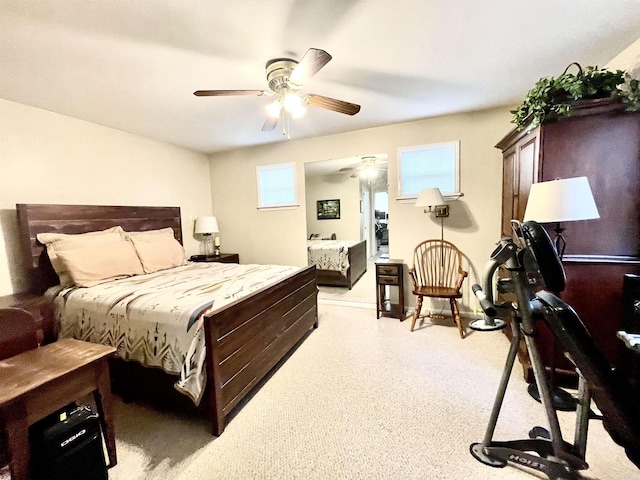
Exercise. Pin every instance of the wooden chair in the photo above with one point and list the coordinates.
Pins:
(437, 273)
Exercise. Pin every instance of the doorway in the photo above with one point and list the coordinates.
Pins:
(375, 221)
(381, 216)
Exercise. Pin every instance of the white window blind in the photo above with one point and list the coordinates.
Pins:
(276, 185)
(428, 166)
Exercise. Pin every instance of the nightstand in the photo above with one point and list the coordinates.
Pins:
(390, 273)
(222, 258)
(39, 307)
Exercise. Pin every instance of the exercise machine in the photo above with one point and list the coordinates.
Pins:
(534, 272)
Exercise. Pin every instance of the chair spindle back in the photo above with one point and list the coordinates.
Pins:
(437, 263)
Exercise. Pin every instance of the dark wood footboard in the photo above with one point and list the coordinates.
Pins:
(357, 256)
(249, 337)
(357, 262)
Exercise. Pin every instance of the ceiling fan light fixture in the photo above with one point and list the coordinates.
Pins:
(293, 104)
(273, 109)
(285, 78)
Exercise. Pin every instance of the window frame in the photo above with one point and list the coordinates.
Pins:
(260, 188)
(426, 147)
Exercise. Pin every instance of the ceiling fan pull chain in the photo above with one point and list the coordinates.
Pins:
(286, 124)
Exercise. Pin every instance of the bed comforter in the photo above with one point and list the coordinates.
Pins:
(157, 319)
(330, 254)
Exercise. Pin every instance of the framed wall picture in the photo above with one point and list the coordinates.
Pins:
(328, 209)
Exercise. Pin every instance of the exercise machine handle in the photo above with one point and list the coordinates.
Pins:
(487, 306)
(631, 340)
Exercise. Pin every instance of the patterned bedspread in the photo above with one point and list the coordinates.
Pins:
(330, 254)
(156, 319)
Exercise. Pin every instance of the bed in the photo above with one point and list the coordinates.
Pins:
(243, 340)
(339, 263)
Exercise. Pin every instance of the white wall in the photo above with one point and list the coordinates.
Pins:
(628, 59)
(50, 158)
(279, 237)
(330, 187)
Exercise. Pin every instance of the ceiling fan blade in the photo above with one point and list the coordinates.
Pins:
(309, 65)
(270, 123)
(339, 106)
(225, 93)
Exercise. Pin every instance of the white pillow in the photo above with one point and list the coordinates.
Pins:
(322, 236)
(158, 249)
(56, 242)
(98, 264)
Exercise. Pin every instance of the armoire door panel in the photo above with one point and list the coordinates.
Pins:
(605, 149)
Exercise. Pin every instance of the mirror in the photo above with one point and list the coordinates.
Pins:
(347, 197)
(360, 183)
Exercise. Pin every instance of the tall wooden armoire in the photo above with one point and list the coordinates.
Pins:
(602, 142)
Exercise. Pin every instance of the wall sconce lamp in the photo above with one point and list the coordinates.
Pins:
(431, 200)
(208, 226)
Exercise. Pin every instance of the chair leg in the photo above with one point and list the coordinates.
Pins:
(456, 315)
(416, 314)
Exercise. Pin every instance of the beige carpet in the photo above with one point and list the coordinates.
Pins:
(360, 398)
(363, 292)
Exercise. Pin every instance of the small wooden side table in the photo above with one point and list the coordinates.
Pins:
(38, 382)
(390, 273)
(222, 258)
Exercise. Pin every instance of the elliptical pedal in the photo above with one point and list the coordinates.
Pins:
(539, 432)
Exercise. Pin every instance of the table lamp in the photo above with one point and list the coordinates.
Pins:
(558, 201)
(207, 226)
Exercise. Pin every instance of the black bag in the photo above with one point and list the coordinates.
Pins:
(67, 445)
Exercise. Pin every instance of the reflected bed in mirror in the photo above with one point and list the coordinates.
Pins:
(339, 263)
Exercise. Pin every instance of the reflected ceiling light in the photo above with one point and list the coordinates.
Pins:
(369, 172)
(369, 169)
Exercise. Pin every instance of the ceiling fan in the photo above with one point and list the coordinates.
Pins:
(369, 168)
(285, 78)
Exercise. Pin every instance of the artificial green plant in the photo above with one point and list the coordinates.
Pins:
(552, 98)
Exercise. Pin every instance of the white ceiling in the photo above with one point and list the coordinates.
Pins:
(334, 166)
(133, 64)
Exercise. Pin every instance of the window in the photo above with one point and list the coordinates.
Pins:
(276, 185)
(428, 166)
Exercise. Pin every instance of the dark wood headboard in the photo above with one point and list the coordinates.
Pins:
(39, 218)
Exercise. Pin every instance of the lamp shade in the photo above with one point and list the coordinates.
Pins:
(206, 225)
(429, 197)
(564, 200)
